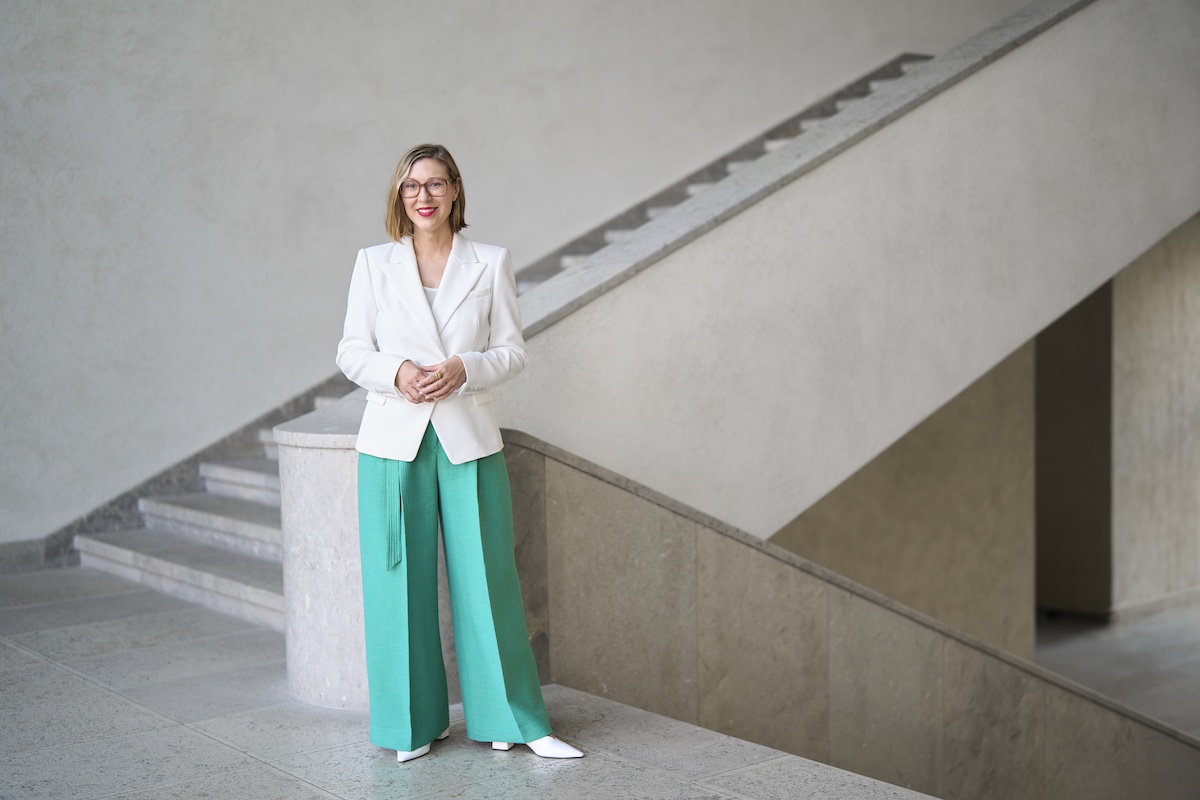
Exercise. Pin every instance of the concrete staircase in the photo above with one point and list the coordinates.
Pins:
(220, 548)
(622, 226)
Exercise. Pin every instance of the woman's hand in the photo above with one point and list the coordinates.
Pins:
(442, 379)
(408, 381)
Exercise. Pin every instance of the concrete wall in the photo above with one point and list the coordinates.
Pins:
(185, 184)
(1118, 418)
(1074, 459)
(652, 604)
(1156, 423)
(756, 368)
(942, 521)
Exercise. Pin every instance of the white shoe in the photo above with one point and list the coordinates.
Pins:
(409, 755)
(546, 747)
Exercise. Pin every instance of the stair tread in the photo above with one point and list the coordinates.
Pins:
(194, 556)
(259, 471)
(233, 508)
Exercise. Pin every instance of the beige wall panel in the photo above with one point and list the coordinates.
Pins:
(763, 651)
(885, 694)
(994, 733)
(624, 571)
(942, 521)
(1088, 750)
(1156, 422)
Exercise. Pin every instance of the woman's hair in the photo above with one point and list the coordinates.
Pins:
(397, 221)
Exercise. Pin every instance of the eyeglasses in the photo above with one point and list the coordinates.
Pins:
(435, 186)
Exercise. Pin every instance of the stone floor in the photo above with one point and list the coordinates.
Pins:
(111, 690)
(1151, 662)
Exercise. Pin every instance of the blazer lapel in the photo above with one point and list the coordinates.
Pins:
(408, 279)
(463, 269)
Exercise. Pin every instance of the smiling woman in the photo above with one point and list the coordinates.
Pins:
(432, 324)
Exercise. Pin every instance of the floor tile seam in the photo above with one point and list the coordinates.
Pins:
(168, 785)
(115, 593)
(120, 690)
(683, 779)
(704, 777)
(247, 626)
(40, 659)
(744, 767)
(272, 759)
(167, 723)
(199, 640)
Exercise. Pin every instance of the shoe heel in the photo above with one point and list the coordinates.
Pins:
(502, 745)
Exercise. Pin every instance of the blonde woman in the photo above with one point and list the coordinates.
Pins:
(432, 324)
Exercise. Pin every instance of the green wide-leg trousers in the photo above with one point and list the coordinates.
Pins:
(398, 509)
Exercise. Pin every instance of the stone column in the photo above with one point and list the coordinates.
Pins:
(322, 578)
(322, 581)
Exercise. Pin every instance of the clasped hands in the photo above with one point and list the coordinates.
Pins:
(430, 383)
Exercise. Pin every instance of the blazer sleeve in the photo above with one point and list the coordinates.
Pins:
(505, 355)
(358, 353)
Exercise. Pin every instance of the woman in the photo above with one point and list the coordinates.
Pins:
(432, 325)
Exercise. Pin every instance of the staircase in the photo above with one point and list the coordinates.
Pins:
(220, 548)
(622, 226)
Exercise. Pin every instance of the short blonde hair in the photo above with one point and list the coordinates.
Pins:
(397, 221)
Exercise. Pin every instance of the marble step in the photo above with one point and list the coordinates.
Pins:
(694, 189)
(569, 262)
(232, 583)
(255, 479)
(266, 437)
(614, 235)
(242, 526)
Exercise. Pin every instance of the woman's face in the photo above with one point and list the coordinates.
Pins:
(427, 212)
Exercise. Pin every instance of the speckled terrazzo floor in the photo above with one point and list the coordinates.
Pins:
(111, 690)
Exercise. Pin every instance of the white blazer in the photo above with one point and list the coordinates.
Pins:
(389, 320)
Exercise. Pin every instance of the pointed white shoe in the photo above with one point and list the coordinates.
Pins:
(546, 747)
(409, 755)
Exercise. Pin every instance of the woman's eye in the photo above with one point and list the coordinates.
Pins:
(436, 184)
(408, 187)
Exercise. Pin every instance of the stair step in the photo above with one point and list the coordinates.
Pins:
(734, 166)
(569, 262)
(655, 212)
(246, 527)
(267, 437)
(774, 144)
(324, 402)
(908, 66)
(810, 123)
(694, 189)
(235, 584)
(254, 479)
(612, 236)
(842, 105)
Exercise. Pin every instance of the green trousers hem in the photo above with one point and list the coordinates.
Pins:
(400, 504)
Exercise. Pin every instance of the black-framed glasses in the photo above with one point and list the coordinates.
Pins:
(435, 186)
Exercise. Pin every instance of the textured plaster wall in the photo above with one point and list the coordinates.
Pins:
(1156, 422)
(184, 185)
(942, 521)
(756, 368)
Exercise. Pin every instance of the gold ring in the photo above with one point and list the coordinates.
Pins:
(437, 375)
